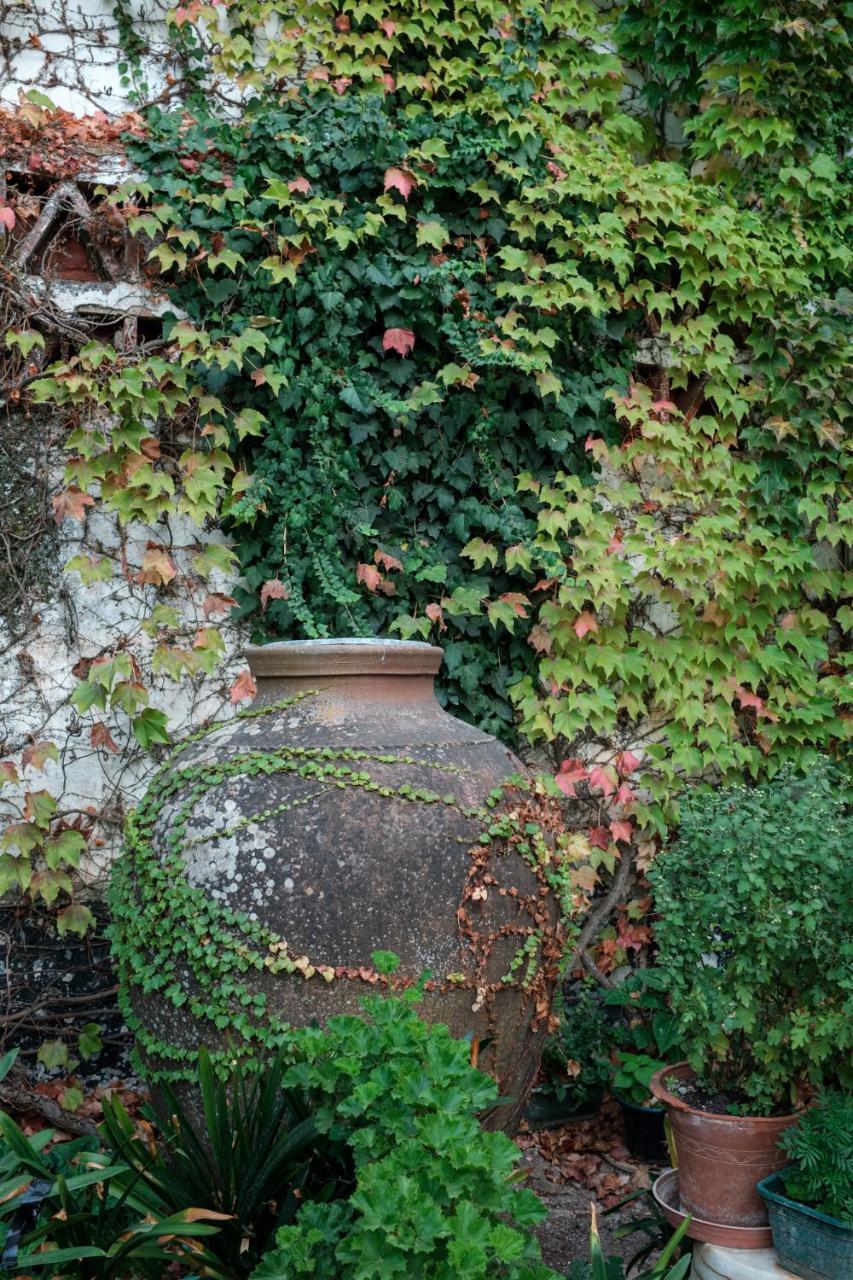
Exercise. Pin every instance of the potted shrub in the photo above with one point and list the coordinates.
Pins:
(810, 1202)
(646, 1040)
(575, 1064)
(644, 1118)
(755, 910)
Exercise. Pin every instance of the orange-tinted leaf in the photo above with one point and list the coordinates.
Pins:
(273, 589)
(158, 568)
(370, 576)
(387, 561)
(585, 622)
(100, 737)
(243, 687)
(38, 754)
(71, 504)
(216, 603)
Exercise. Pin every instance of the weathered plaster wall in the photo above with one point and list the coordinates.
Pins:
(69, 50)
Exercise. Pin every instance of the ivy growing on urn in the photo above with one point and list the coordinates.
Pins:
(172, 938)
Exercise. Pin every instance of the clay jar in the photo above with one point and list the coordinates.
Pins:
(341, 870)
(721, 1158)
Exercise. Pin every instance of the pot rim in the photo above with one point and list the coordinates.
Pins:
(635, 1106)
(672, 1102)
(344, 656)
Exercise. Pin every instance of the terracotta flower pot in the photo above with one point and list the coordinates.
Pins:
(334, 826)
(721, 1158)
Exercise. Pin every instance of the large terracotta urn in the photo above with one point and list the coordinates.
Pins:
(339, 816)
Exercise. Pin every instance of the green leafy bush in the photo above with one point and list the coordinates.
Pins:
(820, 1147)
(435, 1197)
(755, 918)
(576, 1056)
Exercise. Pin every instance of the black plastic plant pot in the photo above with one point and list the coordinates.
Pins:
(645, 1134)
(545, 1110)
(808, 1242)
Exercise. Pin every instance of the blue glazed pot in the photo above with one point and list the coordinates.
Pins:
(808, 1242)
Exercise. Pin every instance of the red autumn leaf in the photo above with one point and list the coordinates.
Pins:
(615, 544)
(217, 603)
(388, 27)
(603, 777)
(100, 737)
(71, 504)
(567, 777)
(38, 754)
(621, 830)
(8, 771)
(370, 576)
(302, 185)
(7, 217)
(400, 340)
(627, 762)
(624, 796)
(540, 639)
(342, 22)
(243, 687)
(188, 164)
(273, 589)
(150, 446)
(585, 622)
(788, 622)
(387, 561)
(259, 377)
(435, 613)
(400, 180)
(599, 837)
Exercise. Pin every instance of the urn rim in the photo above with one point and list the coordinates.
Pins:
(371, 656)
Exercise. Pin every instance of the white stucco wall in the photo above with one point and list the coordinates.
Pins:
(69, 50)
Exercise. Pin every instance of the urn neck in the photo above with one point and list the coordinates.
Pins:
(366, 672)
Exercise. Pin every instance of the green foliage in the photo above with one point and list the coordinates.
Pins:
(633, 1074)
(92, 1217)
(752, 78)
(405, 379)
(647, 1039)
(820, 1147)
(754, 930)
(434, 1195)
(577, 1055)
(248, 1149)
